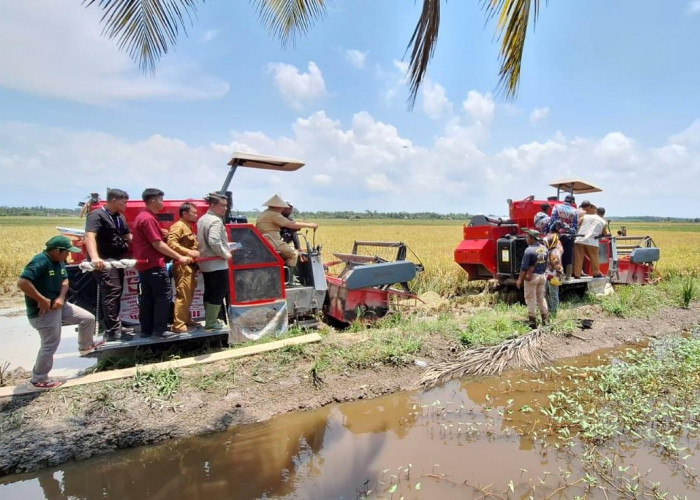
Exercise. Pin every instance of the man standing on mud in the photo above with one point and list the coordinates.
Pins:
(44, 282)
(150, 249)
(532, 272)
(182, 239)
(107, 236)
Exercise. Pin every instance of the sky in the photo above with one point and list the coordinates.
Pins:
(608, 94)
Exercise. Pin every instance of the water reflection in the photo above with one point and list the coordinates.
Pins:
(425, 444)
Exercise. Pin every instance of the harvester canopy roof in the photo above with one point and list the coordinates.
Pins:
(252, 160)
(575, 186)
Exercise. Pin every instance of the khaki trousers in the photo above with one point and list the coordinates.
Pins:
(289, 255)
(536, 294)
(185, 284)
(581, 251)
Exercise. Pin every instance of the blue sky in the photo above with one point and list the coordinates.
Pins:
(609, 94)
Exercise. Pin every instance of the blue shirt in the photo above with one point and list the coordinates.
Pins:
(535, 255)
(564, 219)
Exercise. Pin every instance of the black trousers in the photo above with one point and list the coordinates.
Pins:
(111, 285)
(155, 300)
(216, 286)
(567, 243)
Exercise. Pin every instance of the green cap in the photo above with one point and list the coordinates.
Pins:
(531, 232)
(61, 243)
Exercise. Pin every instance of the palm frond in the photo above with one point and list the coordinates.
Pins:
(423, 40)
(513, 18)
(145, 29)
(285, 18)
(525, 351)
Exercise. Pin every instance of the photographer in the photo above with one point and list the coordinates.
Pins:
(107, 236)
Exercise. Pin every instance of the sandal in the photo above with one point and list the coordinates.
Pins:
(47, 384)
(92, 348)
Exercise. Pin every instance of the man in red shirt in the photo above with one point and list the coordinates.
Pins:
(149, 246)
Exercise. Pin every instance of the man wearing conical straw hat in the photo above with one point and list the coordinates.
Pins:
(269, 224)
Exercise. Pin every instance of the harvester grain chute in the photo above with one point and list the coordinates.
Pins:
(263, 298)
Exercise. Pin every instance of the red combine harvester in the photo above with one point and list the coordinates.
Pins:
(492, 248)
(262, 300)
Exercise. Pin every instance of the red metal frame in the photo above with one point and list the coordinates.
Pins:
(233, 267)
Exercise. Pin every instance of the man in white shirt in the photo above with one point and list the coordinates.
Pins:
(587, 245)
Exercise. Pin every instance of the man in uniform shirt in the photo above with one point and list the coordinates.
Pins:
(269, 224)
(44, 282)
(107, 236)
(182, 239)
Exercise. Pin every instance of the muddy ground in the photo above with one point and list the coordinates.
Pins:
(50, 428)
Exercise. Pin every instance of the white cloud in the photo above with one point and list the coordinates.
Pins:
(356, 58)
(64, 56)
(538, 114)
(694, 7)
(480, 107)
(297, 88)
(435, 101)
(689, 136)
(367, 164)
(209, 35)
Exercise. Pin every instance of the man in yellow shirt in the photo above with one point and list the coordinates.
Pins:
(269, 224)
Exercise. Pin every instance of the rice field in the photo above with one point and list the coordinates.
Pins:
(432, 242)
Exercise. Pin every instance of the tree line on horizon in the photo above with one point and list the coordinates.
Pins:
(41, 211)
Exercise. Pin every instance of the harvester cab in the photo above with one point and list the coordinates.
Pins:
(492, 248)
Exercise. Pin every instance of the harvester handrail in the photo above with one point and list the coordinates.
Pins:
(391, 244)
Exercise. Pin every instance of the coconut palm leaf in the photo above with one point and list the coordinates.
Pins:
(286, 18)
(145, 29)
(513, 19)
(423, 40)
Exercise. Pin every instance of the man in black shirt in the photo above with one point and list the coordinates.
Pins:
(107, 236)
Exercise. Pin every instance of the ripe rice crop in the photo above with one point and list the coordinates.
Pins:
(433, 243)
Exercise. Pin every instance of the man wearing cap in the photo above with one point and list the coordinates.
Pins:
(564, 221)
(107, 236)
(44, 282)
(587, 246)
(269, 224)
(532, 273)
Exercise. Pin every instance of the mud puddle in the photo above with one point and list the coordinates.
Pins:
(463, 440)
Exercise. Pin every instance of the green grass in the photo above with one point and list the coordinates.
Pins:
(493, 326)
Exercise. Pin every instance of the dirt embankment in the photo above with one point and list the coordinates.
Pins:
(47, 429)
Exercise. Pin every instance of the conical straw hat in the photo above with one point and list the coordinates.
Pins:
(277, 202)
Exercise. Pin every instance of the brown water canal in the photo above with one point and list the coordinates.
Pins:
(458, 441)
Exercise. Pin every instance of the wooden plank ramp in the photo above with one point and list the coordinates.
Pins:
(106, 376)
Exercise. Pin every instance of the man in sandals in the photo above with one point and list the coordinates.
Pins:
(44, 282)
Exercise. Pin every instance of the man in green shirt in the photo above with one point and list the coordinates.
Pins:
(44, 282)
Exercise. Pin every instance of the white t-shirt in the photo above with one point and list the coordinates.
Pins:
(591, 227)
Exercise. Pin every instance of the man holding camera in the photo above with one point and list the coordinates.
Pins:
(107, 236)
